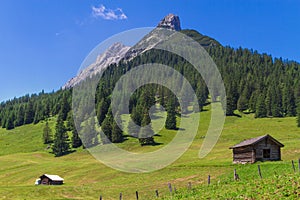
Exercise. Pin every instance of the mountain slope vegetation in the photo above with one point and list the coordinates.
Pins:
(255, 83)
(24, 158)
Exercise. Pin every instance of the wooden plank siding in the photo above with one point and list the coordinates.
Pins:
(243, 155)
(267, 144)
(262, 148)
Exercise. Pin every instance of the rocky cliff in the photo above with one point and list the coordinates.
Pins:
(112, 55)
(119, 51)
(171, 21)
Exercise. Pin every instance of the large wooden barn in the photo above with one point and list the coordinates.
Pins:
(262, 148)
(47, 179)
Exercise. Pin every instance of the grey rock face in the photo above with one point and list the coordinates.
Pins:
(171, 21)
(118, 51)
(112, 55)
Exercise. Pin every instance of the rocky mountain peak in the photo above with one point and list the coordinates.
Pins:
(170, 21)
(110, 56)
(118, 51)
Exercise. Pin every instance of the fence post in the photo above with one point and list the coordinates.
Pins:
(234, 174)
(208, 179)
(299, 164)
(137, 195)
(156, 193)
(100, 197)
(189, 185)
(259, 172)
(170, 187)
(293, 164)
(121, 196)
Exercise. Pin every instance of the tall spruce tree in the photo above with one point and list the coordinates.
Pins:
(261, 107)
(117, 133)
(135, 122)
(47, 134)
(171, 114)
(106, 127)
(75, 140)
(102, 110)
(65, 107)
(61, 140)
(86, 135)
(29, 113)
(231, 97)
(298, 112)
(146, 132)
(10, 122)
(20, 116)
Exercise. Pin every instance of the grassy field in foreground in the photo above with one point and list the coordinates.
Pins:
(23, 158)
(276, 187)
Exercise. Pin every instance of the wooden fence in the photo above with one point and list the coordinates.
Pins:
(172, 189)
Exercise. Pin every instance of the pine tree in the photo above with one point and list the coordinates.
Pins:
(147, 97)
(298, 113)
(29, 113)
(146, 132)
(94, 133)
(61, 144)
(86, 135)
(47, 134)
(276, 101)
(201, 94)
(70, 122)
(39, 113)
(75, 140)
(231, 97)
(135, 123)
(242, 103)
(117, 133)
(185, 98)
(65, 107)
(102, 110)
(20, 116)
(136, 114)
(133, 129)
(171, 114)
(161, 96)
(10, 122)
(288, 101)
(107, 128)
(260, 107)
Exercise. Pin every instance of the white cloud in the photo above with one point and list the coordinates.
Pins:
(108, 14)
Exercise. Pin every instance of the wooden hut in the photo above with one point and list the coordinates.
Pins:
(47, 179)
(261, 148)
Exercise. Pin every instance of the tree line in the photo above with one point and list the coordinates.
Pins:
(255, 83)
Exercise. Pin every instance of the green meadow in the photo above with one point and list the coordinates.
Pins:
(23, 158)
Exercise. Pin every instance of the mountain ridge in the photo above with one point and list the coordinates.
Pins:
(110, 56)
(119, 51)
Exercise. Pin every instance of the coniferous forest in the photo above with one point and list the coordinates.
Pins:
(255, 83)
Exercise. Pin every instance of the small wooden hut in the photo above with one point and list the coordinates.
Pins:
(47, 179)
(263, 148)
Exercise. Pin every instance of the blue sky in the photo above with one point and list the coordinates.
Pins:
(43, 42)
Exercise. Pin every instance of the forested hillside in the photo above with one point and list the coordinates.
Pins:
(255, 83)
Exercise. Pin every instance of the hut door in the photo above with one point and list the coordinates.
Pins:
(266, 153)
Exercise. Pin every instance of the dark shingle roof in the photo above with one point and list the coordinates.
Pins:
(255, 140)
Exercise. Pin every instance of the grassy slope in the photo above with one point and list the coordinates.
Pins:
(23, 158)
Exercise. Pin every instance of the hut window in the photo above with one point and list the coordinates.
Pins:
(266, 153)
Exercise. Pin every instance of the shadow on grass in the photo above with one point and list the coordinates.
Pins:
(235, 115)
(153, 144)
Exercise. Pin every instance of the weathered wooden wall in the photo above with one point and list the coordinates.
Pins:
(253, 153)
(244, 155)
(267, 144)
